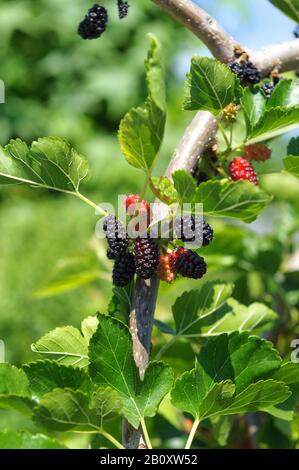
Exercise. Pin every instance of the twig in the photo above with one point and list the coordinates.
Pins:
(222, 45)
(206, 28)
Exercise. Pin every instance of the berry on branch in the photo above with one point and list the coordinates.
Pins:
(190, 228)
(268, 89)
(116, 236)
(123, 270)
(247, 72)
(187, 263)
(241, 169)
(165, 268)
(146, 257)
(136, 206)
(94, 23)
(257, 152)
(229, 114)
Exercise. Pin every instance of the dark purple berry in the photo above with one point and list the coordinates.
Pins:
(116, 236)
(123, 270)
(187, 263)
(94, 23)
(268, 89)
(123, 8)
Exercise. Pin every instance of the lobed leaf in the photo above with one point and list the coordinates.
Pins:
(112, 364)
(229, 378)
(240, 200)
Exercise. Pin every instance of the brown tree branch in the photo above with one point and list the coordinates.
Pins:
(222, 45)
(195, 139)
(206, 28)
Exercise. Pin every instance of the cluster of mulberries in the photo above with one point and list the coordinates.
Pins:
(182, 261)
(246, 71)
(95, 22)
(145, 256)
(240, 168)
(130, 257)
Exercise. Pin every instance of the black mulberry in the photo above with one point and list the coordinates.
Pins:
(191, 229)
(123, 270)
(116, 236)
(94, 23)
(187, 263)
(268, 89)
(123, 8)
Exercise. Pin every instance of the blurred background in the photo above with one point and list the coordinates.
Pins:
(52, 270)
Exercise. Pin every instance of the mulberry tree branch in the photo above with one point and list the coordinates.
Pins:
(204, 26)
(196, 137)
(222, 45)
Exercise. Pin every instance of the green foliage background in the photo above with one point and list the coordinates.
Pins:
(57, 84)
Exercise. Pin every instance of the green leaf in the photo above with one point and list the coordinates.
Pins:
(120, 304)
(112, 363)
(194, 305)
(14, 390)
(10, 439)
(288, 7)
(50, 163)
(273, 122)
(163, 188)
(70, 410)
(253, 104)
(210, 311)
(141, 130)
(291, 161)
(291, 164)
(210, 86)
(237, 199)
(293, 146)
(89, 326)
(228, 378)
(285, 93)
(288, 374)
(185, 186)
(65, 345)
(256, 317)
(46, 375)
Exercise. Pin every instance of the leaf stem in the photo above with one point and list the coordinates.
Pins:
(112, 439)
(192, 434)
(91, 203)
(145, 434)
(226, 139)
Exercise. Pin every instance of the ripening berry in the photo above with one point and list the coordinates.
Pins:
(229, 114)
(165, 268)
(241, 169)
(123, 270)
(187, 263)
(146, 257)
(257, 152)
(94, 23)
(135, 206)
